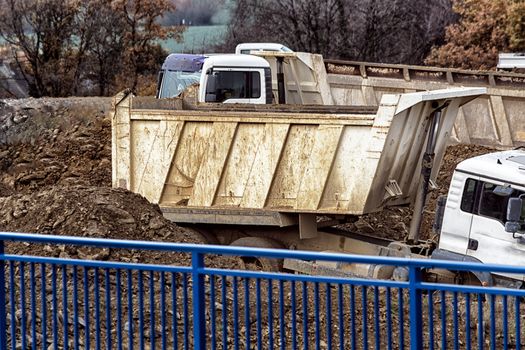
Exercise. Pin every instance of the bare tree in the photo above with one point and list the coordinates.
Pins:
(43, 30)
(142, 31)
(70, 45)
(306, 25)
(369, 30)
(400, 31)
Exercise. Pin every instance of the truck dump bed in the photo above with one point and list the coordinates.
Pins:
(256, 164)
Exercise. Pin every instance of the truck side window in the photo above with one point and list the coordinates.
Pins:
(469, 196)
(491, 204)
(493, 201)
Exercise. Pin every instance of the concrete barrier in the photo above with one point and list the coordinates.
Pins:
(494, 120)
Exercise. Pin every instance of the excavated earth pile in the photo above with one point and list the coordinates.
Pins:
(55, 178)
(47, 142)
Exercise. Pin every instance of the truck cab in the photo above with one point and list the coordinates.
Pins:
(177, 73)
(236, 79)
(221, 78)
(475, 214)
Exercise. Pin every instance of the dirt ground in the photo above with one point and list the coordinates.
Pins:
(55, 178)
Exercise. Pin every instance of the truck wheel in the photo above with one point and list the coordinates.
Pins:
(227, 235)
(260, 264)
(207, 236)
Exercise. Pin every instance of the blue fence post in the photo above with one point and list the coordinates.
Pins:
(3, 314)
(416, 308)
(199, 318)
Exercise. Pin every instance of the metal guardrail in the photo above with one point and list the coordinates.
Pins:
(493, 120)
(71, 303)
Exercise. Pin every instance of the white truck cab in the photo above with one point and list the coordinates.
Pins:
(475, 215)
(236, 79)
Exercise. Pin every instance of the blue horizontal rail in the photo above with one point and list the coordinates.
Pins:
(81, 304)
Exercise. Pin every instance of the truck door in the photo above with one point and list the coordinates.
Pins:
(458, 215)
(488, 241)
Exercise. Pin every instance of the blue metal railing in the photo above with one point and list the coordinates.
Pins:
(83, 304)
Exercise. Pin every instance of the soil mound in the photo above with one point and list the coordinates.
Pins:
(98, 212)
(54, 142)
(89, 211)
(55, 178)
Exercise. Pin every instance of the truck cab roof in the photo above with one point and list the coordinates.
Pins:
(245, 48)
(511, 60)
(183, 62)
(235, 61)
(505, 166)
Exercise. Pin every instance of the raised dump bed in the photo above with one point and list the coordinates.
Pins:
(247, 164)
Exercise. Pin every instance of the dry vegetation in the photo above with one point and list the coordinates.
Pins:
(97, 47)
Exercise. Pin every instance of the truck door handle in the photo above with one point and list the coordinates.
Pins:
(472, 244)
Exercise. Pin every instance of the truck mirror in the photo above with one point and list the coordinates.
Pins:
(513, 215)
(514, 209)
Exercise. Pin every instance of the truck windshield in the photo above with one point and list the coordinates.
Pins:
(175, 82)
(234, 85)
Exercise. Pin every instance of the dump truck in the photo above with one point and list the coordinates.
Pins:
(482, 219)
(287, 174)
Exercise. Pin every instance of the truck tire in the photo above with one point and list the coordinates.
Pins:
(227, 235)
(264, 264)
(207, 236)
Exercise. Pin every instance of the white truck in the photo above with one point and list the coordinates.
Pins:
(511, 61)
(221, 78)
(484, 218)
